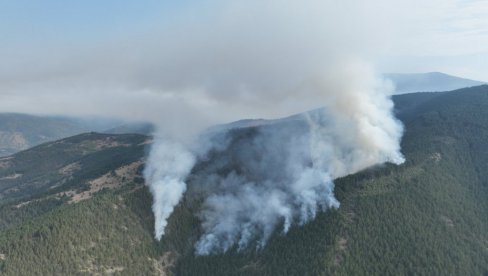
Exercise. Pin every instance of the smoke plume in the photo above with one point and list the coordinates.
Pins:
(259, 176)
(284, 59)
(167, 167)
(219, 61)
(282, 172)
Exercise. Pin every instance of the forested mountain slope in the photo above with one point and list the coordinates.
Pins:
(92, 213)
(21, 131)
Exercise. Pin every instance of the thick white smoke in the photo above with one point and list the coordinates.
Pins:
(275, 178)
(167, 167)
(266, 59)
(218, 61)
(284, 172)
(281, 172)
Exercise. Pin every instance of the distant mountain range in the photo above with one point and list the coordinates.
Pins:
(21, 131)
(428, 82)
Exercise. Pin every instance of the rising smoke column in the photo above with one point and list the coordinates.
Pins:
(284, 175)
(274, 180)
(168, 165)
(266, 59)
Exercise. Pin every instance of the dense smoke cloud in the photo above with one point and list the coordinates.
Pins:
(223, 61)
(281, 172)
(235, 60)
(269, 60)
(266, 177)
(167, 167)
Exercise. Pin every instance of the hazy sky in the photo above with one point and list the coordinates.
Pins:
(81, 56)
(440, 35)
(449, 36)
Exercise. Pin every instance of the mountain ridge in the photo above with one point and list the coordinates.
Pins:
(428, 82)
(22, 131)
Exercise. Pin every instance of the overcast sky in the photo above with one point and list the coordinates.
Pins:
(81, 56)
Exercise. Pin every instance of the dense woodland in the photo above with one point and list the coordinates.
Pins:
(428, 216)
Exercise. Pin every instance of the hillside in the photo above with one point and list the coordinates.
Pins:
(81, 207)
(22, 131)
(428, 82)
(51, 186)
(427, 216)
(138, 128)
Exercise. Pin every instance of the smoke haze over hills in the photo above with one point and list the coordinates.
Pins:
(235, 60)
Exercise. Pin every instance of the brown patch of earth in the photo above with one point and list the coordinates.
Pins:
(111, 180)
(164, 263)
(12, 176)
(14, 140)
(341, 246)
(69, 169)
(5, 162)
(147, 142)
(93, 269)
